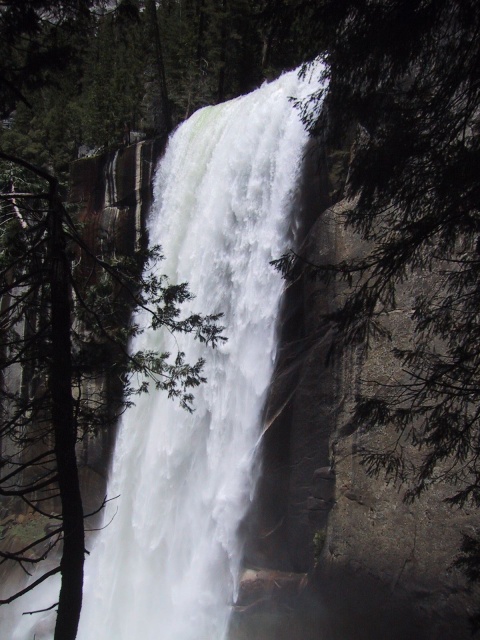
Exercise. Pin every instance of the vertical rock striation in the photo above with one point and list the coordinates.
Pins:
(378, 567)
(112, 193)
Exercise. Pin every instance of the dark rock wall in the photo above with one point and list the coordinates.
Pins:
(379, 568)
(112, 194)
(384, 560)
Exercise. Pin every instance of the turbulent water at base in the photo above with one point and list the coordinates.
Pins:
(166, 567)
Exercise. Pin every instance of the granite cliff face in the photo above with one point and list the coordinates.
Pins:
(382, 555)
(378, 567)
(112, 193)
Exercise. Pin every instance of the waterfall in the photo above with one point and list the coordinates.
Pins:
(166, 565)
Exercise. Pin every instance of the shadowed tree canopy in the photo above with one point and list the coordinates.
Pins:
(33, 41)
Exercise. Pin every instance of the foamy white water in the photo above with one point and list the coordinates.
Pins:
(166, 567)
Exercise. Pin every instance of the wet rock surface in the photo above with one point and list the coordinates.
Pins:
(385, 567)
(262, 586)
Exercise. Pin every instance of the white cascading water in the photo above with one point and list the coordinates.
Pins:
(167, 565)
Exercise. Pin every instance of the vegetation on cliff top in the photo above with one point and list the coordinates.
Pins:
(76, 82)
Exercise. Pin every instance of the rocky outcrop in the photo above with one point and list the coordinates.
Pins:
(379, 568)
(112, 194)
(384, 560)
(259, 586)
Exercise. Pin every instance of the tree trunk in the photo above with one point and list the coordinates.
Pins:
(201, 31)
(166, 125)
(60, 383)
(223, 54)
